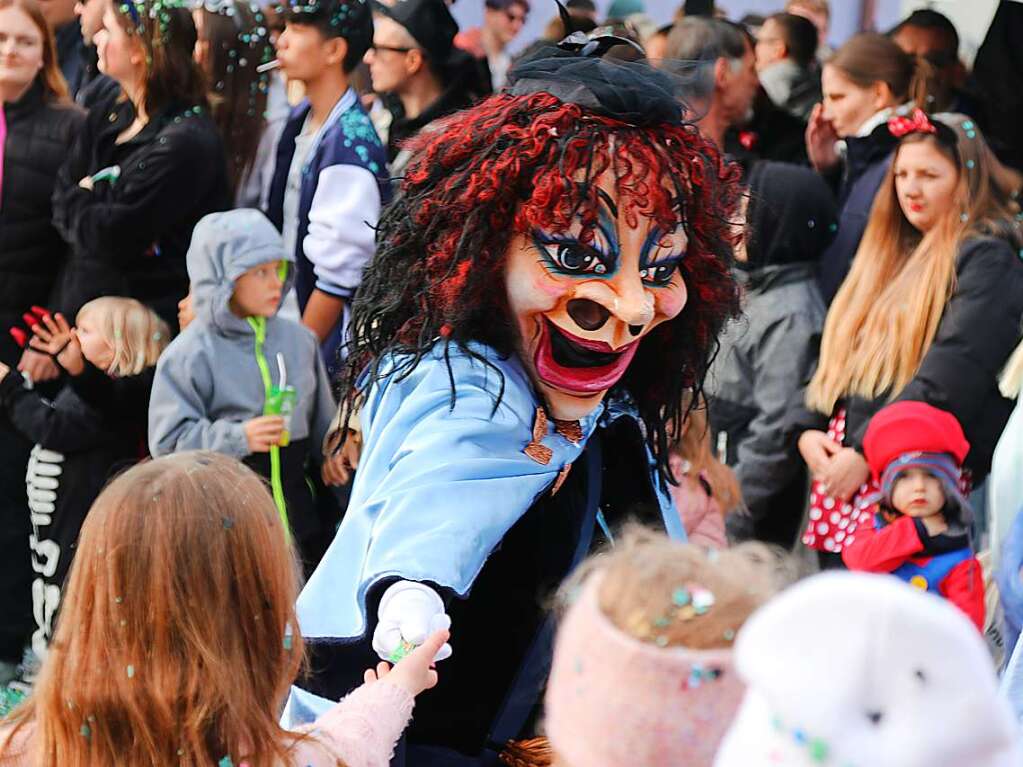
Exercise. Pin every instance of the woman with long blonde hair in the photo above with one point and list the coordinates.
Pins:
(930, 311)
(178, 638)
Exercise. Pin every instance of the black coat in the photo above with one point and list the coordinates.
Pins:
(866, 162)
(31, 250)
(979, 329)
(96, 426)
(129, 237)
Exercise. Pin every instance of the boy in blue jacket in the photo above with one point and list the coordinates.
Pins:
(329, 180)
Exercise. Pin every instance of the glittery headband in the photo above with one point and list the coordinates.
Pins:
(616, 701)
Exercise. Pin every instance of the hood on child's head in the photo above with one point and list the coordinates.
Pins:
(791, 216)
(225, 246)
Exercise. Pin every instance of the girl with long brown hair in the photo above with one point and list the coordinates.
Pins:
(145, 168)
(930, 311)
(248, 107)
(37, 122)
(178, 638)
(863, 84)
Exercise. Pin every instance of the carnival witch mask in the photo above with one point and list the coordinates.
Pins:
(577, 221)
(585, 296)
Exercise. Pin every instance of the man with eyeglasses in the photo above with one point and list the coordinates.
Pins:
(417, 71)
(502, 22)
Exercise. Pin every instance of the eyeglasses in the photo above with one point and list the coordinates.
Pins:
(394, 49)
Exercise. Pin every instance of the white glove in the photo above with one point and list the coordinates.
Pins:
(409, 612)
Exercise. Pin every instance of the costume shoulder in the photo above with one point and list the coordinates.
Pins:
(438, 484)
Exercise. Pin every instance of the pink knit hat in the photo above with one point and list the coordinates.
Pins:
(616, 701)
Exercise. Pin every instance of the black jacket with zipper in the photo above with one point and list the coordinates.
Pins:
(31, 249)
(979, 329)
(129, 236)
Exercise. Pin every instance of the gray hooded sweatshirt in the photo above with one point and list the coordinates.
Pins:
(208, 381)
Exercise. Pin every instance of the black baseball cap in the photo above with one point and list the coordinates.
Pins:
(428, 21)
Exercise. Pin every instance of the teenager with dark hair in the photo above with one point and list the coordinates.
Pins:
(549, 284)
(331, 168)
(144, 169)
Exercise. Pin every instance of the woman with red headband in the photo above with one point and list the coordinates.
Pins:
(930, 311)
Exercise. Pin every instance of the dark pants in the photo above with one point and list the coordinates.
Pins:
(16, 622)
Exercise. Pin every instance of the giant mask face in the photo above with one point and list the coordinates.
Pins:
(583, 304)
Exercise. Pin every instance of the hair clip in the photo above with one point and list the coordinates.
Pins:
(917, 122)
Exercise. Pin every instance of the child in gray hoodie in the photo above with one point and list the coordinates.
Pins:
(241, 380)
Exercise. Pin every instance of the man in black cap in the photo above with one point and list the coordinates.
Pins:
(416, 69)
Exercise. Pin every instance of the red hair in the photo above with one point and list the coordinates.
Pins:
(513, 164)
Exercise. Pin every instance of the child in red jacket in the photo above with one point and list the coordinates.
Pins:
(919, 534)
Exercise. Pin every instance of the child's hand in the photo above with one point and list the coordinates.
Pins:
(414, 672)
(264, 432)
(54, 336)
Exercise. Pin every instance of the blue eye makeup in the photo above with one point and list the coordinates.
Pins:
(657, 272)
(568, 256)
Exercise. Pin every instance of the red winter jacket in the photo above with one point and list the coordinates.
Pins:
(942, 564)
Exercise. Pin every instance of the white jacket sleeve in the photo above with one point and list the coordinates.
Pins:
(342, 227)
(177, 411)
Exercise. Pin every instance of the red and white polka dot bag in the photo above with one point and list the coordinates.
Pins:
(833, 522)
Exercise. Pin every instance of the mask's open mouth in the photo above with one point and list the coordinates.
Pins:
(579, 365)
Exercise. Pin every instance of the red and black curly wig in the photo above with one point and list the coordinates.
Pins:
(518, 163)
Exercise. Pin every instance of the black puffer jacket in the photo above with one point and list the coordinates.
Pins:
(979, 329)
(31, 250)
(129, 235)
(866, 162)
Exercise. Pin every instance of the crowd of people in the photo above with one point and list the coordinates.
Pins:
(371, 394)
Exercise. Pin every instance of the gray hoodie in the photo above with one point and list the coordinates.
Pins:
(208, 382)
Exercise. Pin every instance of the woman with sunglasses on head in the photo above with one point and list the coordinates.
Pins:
(930, 312)
(146, 167)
